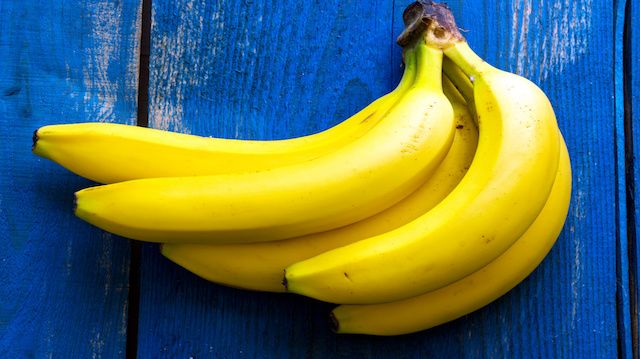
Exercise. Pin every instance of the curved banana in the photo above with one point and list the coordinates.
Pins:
(462, 83)
(110, 153)
(259, 266)
(340, 188)
(474, 291)
(500, 196)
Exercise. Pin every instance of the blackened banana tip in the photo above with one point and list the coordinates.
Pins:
(34, 138)
(284, 280)
(333, 323)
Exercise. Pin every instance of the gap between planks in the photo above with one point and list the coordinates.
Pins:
(629, 179)
(626, 260)
(143, 121)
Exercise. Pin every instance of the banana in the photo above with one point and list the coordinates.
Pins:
(474, 291)
(478, 289)
(503, 192)
(462, 83)
(110, 153)
(337, 189)
(259, 266)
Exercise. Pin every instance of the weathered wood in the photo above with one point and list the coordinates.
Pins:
(281, 69)
(255, 70)
(624, 206)
(64, 284)
(632, 111)
(275, 70)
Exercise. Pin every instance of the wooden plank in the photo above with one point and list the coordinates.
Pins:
(624, 180)
(251, 70)
(64, 291)
(632, 112)
(241, 69)
(206, 78)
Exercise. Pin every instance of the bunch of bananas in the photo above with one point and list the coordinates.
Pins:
(426, 205)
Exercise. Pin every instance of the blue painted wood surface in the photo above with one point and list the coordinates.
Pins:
(277, 69)
(632, 107)
(624, 166)
(64, 283)
(303, 67)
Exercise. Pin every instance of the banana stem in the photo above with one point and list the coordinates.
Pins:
(435, 24)
(409, 75)
(462, 83)
(428, 65)
(467, 60)
(430, 21)
(459, 79)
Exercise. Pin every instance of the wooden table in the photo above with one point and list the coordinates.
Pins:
(276, 69)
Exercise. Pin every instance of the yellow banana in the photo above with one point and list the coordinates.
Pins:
(498, 199)
(109, 153)
(337, 189)
(474, 291)
(259, 266)
(461, 82)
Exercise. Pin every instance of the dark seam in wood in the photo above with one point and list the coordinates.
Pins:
(619, 272)
(629, 177)
(143, 79)
(133, 314)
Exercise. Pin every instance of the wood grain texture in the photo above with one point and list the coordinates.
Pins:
(252, 70)
(632, 106)
(281, 69)
(623, 140)
(64, 284)
(265, 70)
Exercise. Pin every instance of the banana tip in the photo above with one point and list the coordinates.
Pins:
(334, 324)
(284, 280)
(34, 138)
